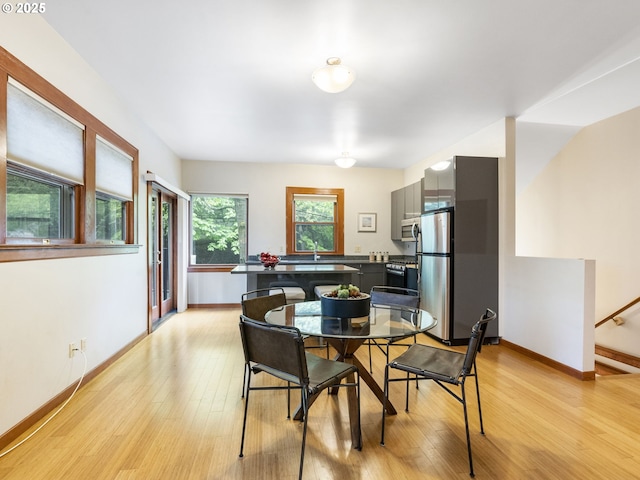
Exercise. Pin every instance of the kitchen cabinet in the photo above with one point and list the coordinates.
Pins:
(405, 203)
(397, 214)
(369, 274)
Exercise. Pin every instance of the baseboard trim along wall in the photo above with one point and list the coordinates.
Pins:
(590, 375)
(20, 428)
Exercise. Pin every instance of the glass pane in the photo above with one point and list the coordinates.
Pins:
(313, 211)
(167, 249)
(38, 209)
(110, 218)
(219, 229)
(308, 234)
(153, 238)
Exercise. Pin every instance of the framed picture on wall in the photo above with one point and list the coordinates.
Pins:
(366, 222)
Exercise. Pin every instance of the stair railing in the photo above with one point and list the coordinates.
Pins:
(617, 312)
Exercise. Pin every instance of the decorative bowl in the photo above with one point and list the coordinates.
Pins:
(269, 260)
(352, 307)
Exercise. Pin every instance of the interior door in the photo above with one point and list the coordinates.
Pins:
(162, 255)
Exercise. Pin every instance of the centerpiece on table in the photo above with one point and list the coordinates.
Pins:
(346, 301)
(269, 260)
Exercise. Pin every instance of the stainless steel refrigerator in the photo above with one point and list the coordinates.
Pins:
(458, 247)
(434, 265)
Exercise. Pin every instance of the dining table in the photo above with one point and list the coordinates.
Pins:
(347, 335)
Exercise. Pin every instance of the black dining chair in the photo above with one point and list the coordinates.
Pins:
(256, 303)
(279, 351)
(444, 367)
(391, 296)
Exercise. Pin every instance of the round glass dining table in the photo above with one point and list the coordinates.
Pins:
(346, 335)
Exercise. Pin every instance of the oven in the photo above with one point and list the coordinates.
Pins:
(402, 274)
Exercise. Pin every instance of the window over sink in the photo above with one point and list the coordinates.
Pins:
(315, 221)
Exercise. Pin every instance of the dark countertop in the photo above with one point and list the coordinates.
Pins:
(294, 269)
(326, 260)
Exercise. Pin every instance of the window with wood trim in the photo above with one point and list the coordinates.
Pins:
(66, 179)
(315, 219)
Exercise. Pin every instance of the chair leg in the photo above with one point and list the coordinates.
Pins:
(466, 426)
(475, 377)
(305, 412)
(384, 402)
(288, 400)
(244, 380)
(370, 363)
(246, 408)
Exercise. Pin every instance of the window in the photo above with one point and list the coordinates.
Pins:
(218, 229)
(314, 220)
(38, 208)
(65, 177)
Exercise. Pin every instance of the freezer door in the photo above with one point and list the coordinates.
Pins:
(435, 292)
(435, 232)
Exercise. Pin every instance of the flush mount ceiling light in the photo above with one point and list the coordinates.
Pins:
(345, 161)
(334, 77)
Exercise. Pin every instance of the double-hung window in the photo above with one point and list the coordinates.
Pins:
(315, 220)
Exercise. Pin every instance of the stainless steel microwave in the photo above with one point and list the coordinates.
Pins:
(410, 229)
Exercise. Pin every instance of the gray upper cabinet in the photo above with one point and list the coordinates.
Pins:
(405, 203)
(397, 214)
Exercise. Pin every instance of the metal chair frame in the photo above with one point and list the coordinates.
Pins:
(279, 351)
(444, 367)
(384, 295)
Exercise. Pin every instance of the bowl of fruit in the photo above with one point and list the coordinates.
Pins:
(268, 260)
(346, 301)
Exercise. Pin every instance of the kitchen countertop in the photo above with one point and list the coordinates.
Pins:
(311, 267)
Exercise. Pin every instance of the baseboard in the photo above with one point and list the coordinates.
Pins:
(591, 375)
(12, 434)
(621, 357)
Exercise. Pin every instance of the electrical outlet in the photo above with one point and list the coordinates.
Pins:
(83, 345)
(72, 350)
(357, 249)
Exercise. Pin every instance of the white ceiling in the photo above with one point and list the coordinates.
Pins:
(230, 80)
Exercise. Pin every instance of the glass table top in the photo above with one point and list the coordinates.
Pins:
(382, 321)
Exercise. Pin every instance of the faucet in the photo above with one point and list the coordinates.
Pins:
(315, 252)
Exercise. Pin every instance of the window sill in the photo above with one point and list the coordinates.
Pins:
(210, 268)
(19, 253)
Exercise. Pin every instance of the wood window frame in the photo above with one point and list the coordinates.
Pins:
(338, 220)
(84, 242)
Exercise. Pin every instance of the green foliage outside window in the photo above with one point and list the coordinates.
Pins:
(314, 221)
(219, 229)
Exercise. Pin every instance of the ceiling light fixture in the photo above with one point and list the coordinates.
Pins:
(345, 161)
(441, 165)
(333, 77)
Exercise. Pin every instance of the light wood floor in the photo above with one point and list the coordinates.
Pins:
(171, 409)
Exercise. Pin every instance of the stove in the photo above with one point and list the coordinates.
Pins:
(402, 274)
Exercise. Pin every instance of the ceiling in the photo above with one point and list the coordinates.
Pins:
(231, 80)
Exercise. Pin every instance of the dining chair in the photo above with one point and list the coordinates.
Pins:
(256, 303)
(444, 367)
(391, 296)
(279, 351)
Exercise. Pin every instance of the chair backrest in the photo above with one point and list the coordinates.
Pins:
(383, 295)
(477, 338)
(280, 349)
(256, 303)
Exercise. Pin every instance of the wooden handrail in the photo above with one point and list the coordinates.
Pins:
(617, 312)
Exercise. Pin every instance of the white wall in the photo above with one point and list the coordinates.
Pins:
(549, 308)
(366, 190)
(47, 304)
(584, 204)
